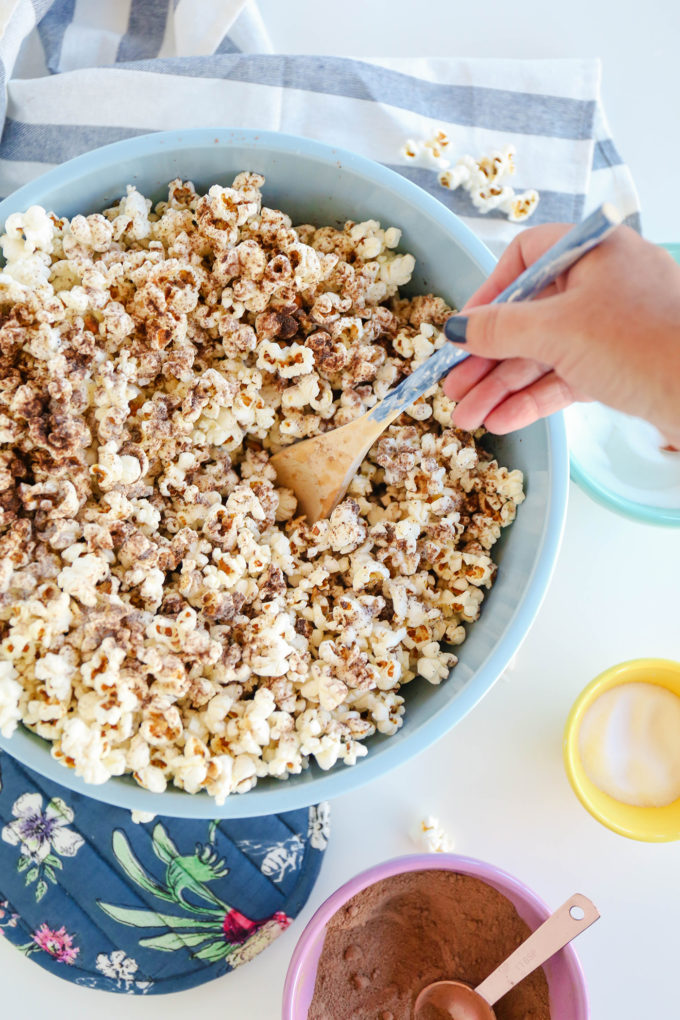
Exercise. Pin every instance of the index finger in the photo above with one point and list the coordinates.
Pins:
(522, 251)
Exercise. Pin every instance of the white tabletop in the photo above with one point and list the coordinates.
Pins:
(496, 781)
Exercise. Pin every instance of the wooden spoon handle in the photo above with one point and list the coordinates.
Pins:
(568, 250)
(555, 933)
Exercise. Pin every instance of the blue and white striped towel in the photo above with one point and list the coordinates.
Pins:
(80, 74)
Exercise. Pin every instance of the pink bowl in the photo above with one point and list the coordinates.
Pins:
(566, 983)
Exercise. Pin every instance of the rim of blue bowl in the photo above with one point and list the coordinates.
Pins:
(123, 791)
(606, 497)
(639, 512)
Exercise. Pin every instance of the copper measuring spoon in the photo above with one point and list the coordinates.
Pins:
(464, 1003)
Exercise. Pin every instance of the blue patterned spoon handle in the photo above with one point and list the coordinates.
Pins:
(568, 250)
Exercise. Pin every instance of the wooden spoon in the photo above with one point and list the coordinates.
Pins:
(319, 470)
(460, 1002)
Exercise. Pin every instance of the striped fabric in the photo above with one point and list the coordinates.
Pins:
(80, 73)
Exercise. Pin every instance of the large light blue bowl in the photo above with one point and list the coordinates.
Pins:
(315, 182)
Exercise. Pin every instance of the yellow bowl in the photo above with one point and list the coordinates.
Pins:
(652, 824)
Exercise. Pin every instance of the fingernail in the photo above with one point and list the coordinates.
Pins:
(455, 328)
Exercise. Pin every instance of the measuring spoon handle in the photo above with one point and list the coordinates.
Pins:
(553, 935)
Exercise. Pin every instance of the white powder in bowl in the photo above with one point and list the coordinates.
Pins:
(629, 744)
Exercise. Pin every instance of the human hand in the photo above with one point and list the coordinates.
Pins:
(608, 329)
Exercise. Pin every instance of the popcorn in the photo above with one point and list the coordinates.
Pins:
(286, 362)
(269, 644)
(371, 241)
(112, 470)
(490, 197)
(432, 837)
(453, 178)
(26, 233)
(345, 528)
(429, 152)
(489, 170)
(396, 270)
(89, 750)
(81, 578)
(367, 571)
(520, 207)
(55, 670)
(131, 216)
(141, 817)
(165, 611)
(434, 664)
(484, 179)
(301, 393)
(410, 149)
(95, 232)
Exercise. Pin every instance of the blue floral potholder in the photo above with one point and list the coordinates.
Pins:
(145, 907)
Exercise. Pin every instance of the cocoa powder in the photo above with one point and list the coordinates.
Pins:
(390, 940)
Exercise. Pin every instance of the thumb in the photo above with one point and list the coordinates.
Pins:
(519, 329)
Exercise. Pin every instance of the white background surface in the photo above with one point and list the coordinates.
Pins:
(497, 782)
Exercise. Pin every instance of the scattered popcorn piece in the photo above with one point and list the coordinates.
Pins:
(520, 207)
(142, 817)
(484, 179)
(498, 165)
(429, 152)
(411, 149)
(432, 837)
(453, 178)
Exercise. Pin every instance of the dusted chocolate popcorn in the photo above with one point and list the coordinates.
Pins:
(163, 611)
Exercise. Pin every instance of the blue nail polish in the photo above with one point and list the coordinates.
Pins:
(455, 328)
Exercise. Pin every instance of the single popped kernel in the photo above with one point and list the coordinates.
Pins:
(455, 177)
(491, 196)
(142, 817)
(520, 207)
(411, 149)
(432, 837)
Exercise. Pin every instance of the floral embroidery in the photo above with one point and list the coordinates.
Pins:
(105, 984)
(42, 835)
(198, 909)
(7, 918)
(210, 930)
(259, 940)
(276, 859)
(58, 944)
(319, 825)
(123, 970)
